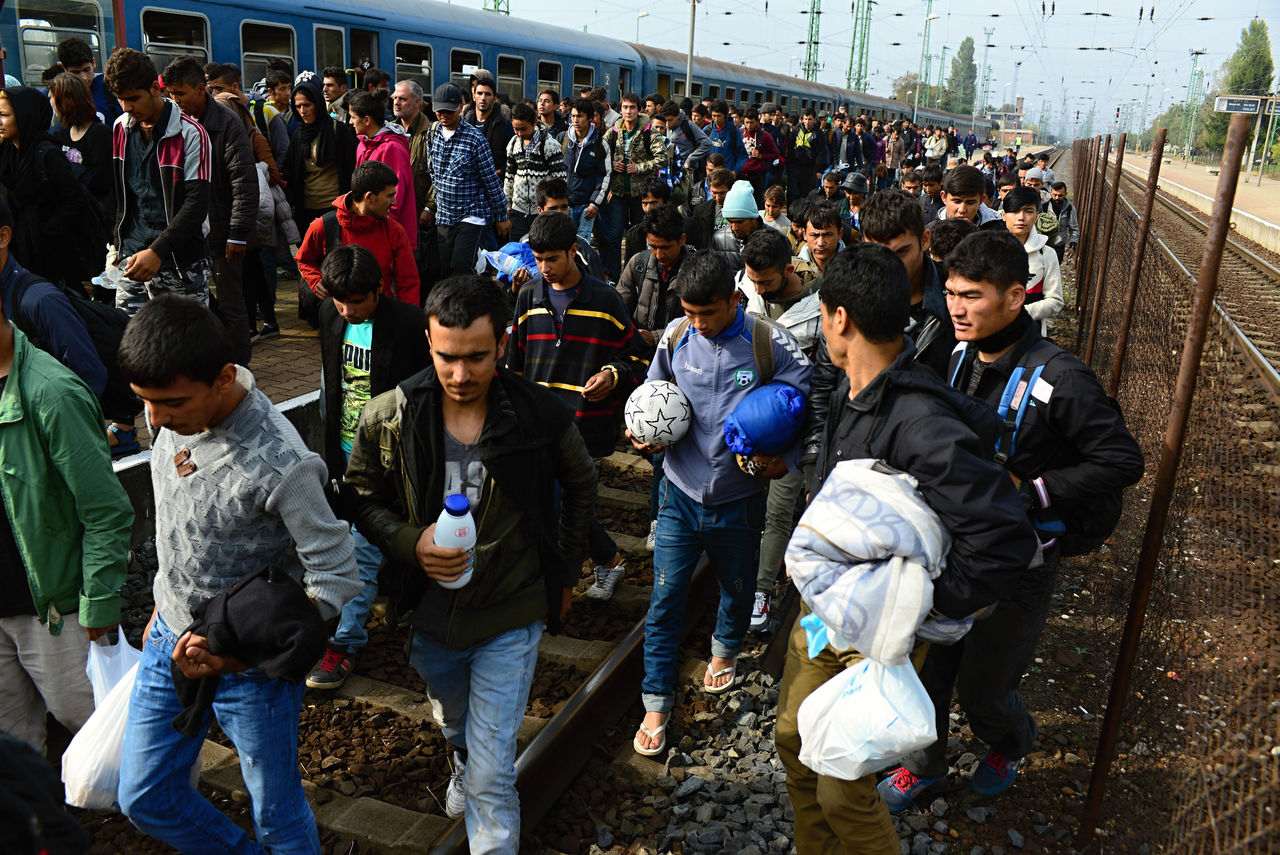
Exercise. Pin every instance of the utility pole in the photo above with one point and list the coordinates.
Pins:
(1192, 107)
(1017, 67)
(1271, 127)
(688, 60)
(921, 79)
(1145, 96)
(986, 49)
(863, 48)
(942, 63)
(855, 76)
(927, 80)
(809, 66)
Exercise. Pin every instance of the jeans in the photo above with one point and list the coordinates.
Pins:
(351, 633)
(985, 669)
(730, 535)
(779, 520)
(581, 223)
(655, 483)
(458, 247)
(481, 692)
(261, 718)
(228, 286)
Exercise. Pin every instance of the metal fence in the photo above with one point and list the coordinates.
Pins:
(1201, 534)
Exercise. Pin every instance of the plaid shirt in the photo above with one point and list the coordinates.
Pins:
(466, 181)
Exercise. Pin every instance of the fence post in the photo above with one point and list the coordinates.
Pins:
(1096, 193)
(1135, 267)
(1170, 455)
(1084, 186)
(1095, 317)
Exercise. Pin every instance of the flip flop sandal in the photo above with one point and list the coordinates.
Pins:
(661, 731)
(715, 675)
(126, 441)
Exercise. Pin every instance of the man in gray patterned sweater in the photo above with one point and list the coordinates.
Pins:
(236, 491)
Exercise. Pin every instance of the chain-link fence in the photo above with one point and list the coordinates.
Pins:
(1212, 637)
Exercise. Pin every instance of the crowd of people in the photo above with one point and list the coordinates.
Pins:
(489, 282)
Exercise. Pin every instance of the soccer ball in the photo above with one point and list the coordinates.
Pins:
(658, 413)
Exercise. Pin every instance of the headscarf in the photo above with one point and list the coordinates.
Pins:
(320, 131)
(34, 114)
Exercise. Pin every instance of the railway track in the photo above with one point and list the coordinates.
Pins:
(1248, 284)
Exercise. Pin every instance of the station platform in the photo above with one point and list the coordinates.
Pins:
(1257, 209)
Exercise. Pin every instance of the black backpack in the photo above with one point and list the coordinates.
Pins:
(106, 326)
(89, 246)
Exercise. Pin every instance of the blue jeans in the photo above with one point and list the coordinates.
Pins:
(481, 692)
(581, 223)
(351, 633)
(730, 535)
(261, 718)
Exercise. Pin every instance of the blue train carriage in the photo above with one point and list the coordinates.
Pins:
(419, 39)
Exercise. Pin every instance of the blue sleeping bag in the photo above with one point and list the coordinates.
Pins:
(511, 255)
(767, 421)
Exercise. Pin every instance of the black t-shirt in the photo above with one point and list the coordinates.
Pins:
(16, 599)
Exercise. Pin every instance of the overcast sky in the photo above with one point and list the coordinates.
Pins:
(770, 34)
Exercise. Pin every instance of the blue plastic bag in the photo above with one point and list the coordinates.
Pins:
(767, 421)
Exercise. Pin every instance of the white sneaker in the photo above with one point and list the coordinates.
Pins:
(606, 580)
(653, 535)
(455, 798)
(760, 612)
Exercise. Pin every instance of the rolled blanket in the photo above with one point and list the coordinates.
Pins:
(766, 421)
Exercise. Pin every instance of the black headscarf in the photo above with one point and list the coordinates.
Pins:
(34, 114)
(319, 132)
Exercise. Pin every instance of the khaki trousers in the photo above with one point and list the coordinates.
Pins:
(832, 816)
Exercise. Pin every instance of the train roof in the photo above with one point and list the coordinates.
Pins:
(465, 24)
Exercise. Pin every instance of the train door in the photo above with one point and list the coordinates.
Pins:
(625, 76)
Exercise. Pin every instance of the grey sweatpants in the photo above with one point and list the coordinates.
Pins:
(42, 673)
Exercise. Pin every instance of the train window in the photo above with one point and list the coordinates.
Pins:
(729, 92)
(783, 100)
(169, 35)
(584, 77)
(461, 64)
(714, 91)
(771, 96)
(260, 42)
(364, 46)
(697, 89)
(413, 62)
(550, 76)
(677, 88)
(44, 23)
(511, 77)
(330, 50)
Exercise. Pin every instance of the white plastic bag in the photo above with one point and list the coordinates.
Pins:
(91, 763)
(108, 664)
(865, 718)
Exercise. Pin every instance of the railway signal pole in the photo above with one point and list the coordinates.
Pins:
(922, 77)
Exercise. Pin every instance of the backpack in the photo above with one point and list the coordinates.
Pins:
(259, 110)
(89, 247)
(761, 344)
(333, 238)
(106, 328)
(1084, 525)
(1047, 225)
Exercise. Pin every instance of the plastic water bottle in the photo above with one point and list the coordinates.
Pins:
(455, 529)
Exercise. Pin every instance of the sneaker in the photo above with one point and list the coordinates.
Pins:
(606, 580)
(760, 612)
(269, 331)
(653, 536)
(332, 671)
(900, 789)
(995, 774)
(455, 798)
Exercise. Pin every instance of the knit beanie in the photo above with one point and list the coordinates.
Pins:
(740, 202)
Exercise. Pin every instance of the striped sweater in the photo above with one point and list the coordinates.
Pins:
(595, 333)
(528, 166)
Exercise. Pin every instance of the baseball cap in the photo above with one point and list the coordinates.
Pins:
(446, 97)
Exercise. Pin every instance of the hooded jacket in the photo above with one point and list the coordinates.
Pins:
(762, 143)
(1044, 284)
(588, 165)
(181, 170)
(57, 231)
(333, 140)
(649, 292)
(390, 145)
(913, 422)
(526, 553)
(384, 238)
(233, 182)
(728, 142)
(987, 218)
(802, 317)
(497, 130)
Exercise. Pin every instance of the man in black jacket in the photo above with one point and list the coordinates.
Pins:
(886, 407)
(892, 218)
(1065, 446)
(233, 195)
(367, 345)
(465, 425)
